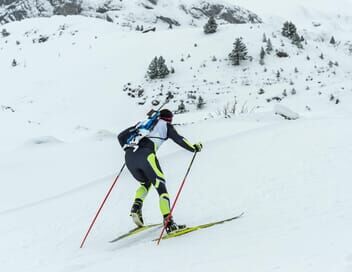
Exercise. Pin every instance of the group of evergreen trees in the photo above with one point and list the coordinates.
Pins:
(239, 53)
(289, 30)
(139, 28)
(268, 49)
(269, 46)
(200, 104)
(157, 68)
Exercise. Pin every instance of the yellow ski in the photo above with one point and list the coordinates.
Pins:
(191, 229)
(135, 231)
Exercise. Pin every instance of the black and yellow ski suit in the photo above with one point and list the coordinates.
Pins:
(144, 165)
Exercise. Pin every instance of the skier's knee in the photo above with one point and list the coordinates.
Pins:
(160, 186)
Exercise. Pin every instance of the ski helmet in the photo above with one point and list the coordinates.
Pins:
(166, 115)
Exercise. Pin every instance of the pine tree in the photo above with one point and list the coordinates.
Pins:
(200, 103)
(262, 55)
(264, 38)
(332, 40)
(153, 69)
(292, 30)
(269, 46)
(210, 26)
(285, 28)
(163, 71)
(289, 30)
(181, 108)
(157, 68)
(4, 33)
(296, 40)
(239, 52)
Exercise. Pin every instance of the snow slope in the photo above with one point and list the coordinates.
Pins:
(297, 208)
(63, 104)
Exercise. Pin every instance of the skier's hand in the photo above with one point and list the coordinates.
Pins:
(198, 147)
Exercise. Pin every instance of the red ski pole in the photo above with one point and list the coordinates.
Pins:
(101, 206)
(177, 196)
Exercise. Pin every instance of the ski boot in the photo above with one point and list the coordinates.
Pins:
(136, 213)
(171, 226)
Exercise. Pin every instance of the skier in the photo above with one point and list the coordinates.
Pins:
(144, 166)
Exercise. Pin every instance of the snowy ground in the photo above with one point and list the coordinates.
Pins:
(63, 104)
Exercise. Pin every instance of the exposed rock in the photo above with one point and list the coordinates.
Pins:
(6, 2)
(154, 2)
(13, 13)
(232, 15)
(282, 54)
(68, 9)
(7, 108)
(168, 20)
(22, 9)
(149, 29)
(109, 18)
(147, 6)
(102, 9)
(128, 15)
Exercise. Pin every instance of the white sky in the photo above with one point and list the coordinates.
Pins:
(284, 8)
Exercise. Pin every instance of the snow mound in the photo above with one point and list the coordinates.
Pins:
(285, 112)
(44, 140)
(105, 134)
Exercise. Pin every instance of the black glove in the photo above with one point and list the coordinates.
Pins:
(198, 147)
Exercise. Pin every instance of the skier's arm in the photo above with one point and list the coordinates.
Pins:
(183, 142)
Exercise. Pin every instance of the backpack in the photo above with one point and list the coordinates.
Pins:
(131, 137)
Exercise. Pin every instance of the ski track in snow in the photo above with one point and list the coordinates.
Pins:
(79, 189)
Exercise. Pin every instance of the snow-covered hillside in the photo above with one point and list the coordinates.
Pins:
(70, 84)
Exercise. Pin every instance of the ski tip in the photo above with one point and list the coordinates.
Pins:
(237, 216)
(240, 215)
